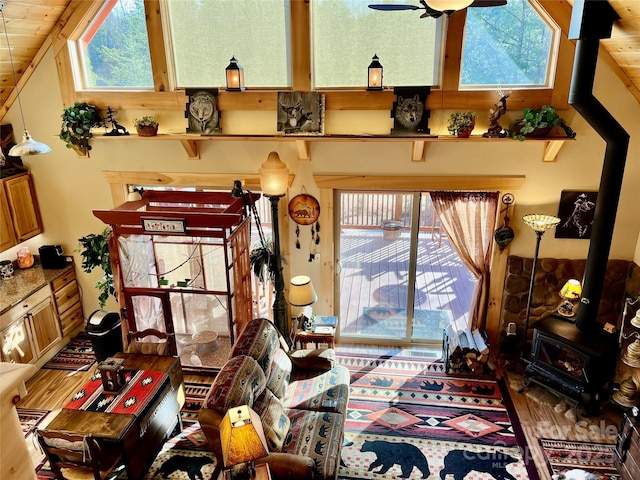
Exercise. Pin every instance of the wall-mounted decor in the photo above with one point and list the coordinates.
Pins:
(576, 211)
(304, 209)
(301, 113)
(409, 113)
(169, 226)
(202, 111)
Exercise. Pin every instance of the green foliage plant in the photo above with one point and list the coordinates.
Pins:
(263, 261)
(94, 249)
(461, 121)
(77, 122)
(146, 121)
(536, 120)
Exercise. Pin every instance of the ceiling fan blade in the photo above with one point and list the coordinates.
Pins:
(488, 3)
(390, 7)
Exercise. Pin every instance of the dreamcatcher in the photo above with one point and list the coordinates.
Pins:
(304, 209)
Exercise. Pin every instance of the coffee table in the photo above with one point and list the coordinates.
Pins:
(139, 438)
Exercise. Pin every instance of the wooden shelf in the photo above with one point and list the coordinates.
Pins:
(419, 144)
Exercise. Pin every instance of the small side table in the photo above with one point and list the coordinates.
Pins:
(303, 337)
(262, 473)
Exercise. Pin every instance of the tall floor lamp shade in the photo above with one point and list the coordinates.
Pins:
(540, 223)
(274, 180)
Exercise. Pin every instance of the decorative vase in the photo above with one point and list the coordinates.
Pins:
(147, 131)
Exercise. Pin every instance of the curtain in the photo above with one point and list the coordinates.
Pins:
(468, 219)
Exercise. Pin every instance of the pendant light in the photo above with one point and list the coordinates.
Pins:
(28, 146)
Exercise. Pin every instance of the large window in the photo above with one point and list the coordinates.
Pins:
(114, 49)
(346, 35)
(206, 34)
(507, 46)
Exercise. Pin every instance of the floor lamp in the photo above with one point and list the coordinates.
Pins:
(540, 223)
(274, 180)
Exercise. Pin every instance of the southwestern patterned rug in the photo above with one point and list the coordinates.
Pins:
(76, 355)
(409, 419)
(30, 418)
(597, 458)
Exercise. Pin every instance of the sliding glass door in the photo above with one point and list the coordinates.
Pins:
(397, 271)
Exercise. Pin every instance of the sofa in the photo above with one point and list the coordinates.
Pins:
(301, 397)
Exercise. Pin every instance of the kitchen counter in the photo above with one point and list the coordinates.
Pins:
(25, 282)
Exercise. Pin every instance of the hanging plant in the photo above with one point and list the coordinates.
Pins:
(263, 261)
(538, 122)
(94, 250)
(77, 122)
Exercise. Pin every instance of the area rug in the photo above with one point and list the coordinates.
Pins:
(408, 419)
(30, 418)
(392, 322)
(76, 355)
(195, 393)
(597, 458)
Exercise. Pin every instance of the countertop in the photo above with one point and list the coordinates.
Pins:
(25, 282)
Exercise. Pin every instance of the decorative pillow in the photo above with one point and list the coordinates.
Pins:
(275, 422)
(149, 348)
(239, 382)
(259, 339)
(278, 380)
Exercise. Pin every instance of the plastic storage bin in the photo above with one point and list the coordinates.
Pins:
(105, 331)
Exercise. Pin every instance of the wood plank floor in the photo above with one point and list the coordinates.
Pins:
(375, 273)
(541, 414)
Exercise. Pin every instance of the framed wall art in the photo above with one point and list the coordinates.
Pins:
(410, 114)
(576, 212)
(300, 113)
(202, 111)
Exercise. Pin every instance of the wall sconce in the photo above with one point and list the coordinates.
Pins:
(242, 441)
(374, 78)
(235, 76)
(570, 292)
(302, 294)
(631, 356)
(28, 146)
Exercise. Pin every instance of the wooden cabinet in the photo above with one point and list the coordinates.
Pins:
(67, 299)
(628, 449)
(29, 329)
(20, 212)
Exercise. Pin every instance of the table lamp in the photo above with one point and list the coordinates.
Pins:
(570, 292)
(243, 441)
(302, 294)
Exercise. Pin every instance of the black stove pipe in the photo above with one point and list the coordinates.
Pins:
(592, 20)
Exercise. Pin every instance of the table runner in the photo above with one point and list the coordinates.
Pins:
(141, 389)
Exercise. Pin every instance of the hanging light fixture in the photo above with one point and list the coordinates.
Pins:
(448, 6)
(28, 146)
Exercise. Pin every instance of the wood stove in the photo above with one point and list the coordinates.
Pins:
(575, 363)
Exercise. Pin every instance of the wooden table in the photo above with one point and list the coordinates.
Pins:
(262, 473)
(303, 337)
(138, 443)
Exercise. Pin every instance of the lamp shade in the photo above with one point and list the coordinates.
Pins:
(241, 436)
(274, 176)
(28, 146)
(448, 5)
(635, 321)
(301, 291)
(571, 289)
(540, 222)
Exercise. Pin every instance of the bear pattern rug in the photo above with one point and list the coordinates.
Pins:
(408, 419)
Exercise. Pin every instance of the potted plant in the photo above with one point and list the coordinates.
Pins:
(263, 261)
(94, 249)
(538, 122)
(146, 126)
(77, 122)
(461, 123)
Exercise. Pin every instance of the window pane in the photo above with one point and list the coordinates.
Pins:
(206, 34)
(114, 49)
(506, 46)
(346, 35)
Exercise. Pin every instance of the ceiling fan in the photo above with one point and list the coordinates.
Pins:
(431, 7)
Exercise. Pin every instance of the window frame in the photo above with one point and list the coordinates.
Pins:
(448, 96)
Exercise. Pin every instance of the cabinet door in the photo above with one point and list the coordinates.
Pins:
(23, 205)
(16, 343)
(7, 234)
(44, 326)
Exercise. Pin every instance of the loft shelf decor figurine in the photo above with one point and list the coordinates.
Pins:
(500, 108)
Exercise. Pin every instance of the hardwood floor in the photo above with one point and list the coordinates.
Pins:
(541, 414)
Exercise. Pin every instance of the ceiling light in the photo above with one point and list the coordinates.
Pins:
(28, 146)
(448, 6)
